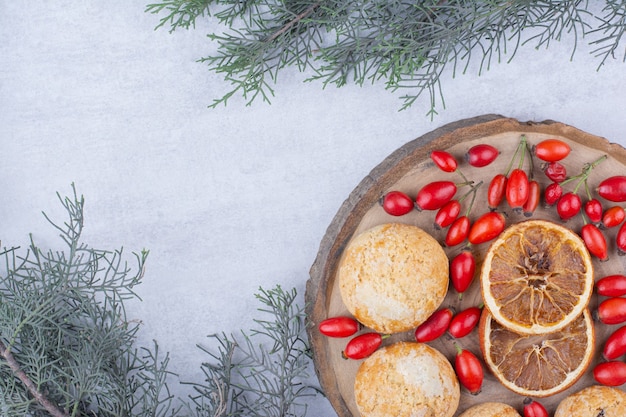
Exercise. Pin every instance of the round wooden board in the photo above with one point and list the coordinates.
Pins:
(408, 169)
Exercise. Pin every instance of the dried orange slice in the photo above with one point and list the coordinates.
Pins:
(537, 277)
(537, 365)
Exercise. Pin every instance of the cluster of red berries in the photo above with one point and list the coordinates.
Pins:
(612, 311)
(523, 194)
(468, 367)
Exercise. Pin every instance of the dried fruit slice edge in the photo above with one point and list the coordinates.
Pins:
(537, 277)
(537, 365)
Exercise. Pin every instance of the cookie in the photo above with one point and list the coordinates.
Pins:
(490, 409)
(392, 277)
(593, 401)
(406, 379)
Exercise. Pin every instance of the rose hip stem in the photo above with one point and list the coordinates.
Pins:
(521, 146)
(582, 177)
(501, 187)
(473, 189)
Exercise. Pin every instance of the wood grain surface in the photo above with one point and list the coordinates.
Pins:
(408, 169)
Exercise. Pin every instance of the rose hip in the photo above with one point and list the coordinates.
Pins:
(613, 188)
(551, 150)
(611, 286)
(458, 231)
(534, 195)
(612, 311)
(615, 345)
(444, 160)
(464, 322)
(495, 192)
(340, 326)
(397, 203)
(462, 268)
(517, 189)
(612, 374)
(552, 194)
(595, 241)
(435, 326)
(447, 214)
(613, 216)
(593, 210)
(534, 408)
(481, 155)
(569, 205)
(434, 195)
(469, 370)
(486, 227)
(620, 239)
(555, 171)
(363, 345)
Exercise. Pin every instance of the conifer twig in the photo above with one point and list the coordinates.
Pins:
(405, 45)
(293, 22)
(53, 409)
(67, 345)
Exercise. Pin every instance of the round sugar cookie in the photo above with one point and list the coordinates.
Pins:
(406, 379)
(392, 277)
(593, 401)
(490, 409)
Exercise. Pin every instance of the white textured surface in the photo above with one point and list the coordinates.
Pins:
(231, 199)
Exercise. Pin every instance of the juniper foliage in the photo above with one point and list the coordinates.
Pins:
(67, 347)
(403, 44)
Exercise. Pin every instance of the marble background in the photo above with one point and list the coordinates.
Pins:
(227, 199)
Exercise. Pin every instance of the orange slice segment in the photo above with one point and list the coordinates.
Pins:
(537, 277)
(538, 365)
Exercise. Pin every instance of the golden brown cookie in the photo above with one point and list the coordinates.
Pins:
(491, 409)
(407, 379)
(393, 277)
(594, 401)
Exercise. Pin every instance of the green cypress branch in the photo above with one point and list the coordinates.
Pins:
(67, 347)
(66, 344)
(404, 44)
(15, 367)
(264, 375)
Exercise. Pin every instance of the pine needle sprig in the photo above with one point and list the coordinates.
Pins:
(250, 59)
(265, 374)
(66, 344)
(404, 44)
(180, 14)
(612, 30)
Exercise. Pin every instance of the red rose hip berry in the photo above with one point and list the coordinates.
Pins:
(486, 227)
(612, 374)
(534, 408)
(444, 160)
(469, 370)
(613, 188)
(611, 286)
(462, 268)
(397, 203)
(341, 326)
(613, 216)
(612, 311)
(568, 206)
(615, 345)
(551, 150)
(435, 195)
(595, 241)
(362, 346)
(481, 155)
(464, 322)
(435, 326)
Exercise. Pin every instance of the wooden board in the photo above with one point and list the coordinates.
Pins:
(408, 169)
